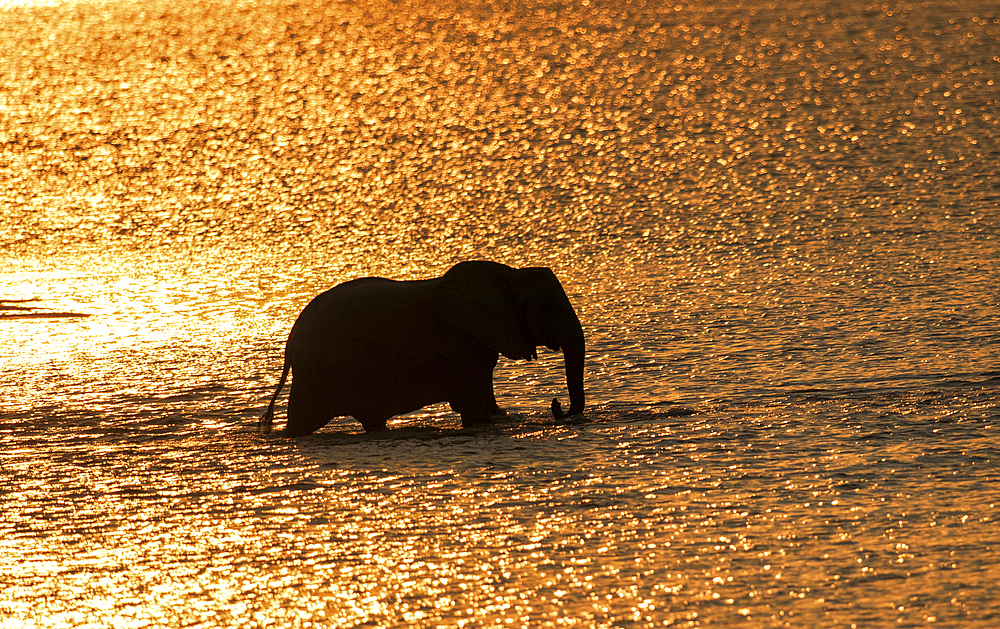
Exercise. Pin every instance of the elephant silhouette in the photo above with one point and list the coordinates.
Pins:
(373, 348)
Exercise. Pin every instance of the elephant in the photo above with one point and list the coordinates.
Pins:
(373, 348)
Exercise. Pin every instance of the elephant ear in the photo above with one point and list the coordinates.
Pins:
(478, 299)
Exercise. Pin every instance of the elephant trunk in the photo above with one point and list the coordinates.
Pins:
(573, 353)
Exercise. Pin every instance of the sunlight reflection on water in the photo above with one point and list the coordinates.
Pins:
(778, 225)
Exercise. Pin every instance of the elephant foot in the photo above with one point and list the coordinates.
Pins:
(373, 424)
(469, 420)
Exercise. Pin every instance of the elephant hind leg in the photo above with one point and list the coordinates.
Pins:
(309, 408)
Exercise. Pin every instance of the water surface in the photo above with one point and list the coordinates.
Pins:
(778, 225)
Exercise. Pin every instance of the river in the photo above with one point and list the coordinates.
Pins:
(778, 223)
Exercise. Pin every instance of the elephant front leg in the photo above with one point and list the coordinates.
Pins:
(475, 403)
(373, 423)
(475, 417)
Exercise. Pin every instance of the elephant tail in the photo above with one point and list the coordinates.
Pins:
(268, 418)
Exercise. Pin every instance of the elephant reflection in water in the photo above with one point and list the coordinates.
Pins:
(373, 348)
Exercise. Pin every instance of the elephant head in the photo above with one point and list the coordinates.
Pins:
(512, 311)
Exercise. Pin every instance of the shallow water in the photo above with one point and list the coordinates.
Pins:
(779, 226)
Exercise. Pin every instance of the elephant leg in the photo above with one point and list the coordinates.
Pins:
(372, 423)
(310, 407)
(475, 415)
(475, 403)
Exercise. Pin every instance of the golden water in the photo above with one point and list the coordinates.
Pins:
(778, 224)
